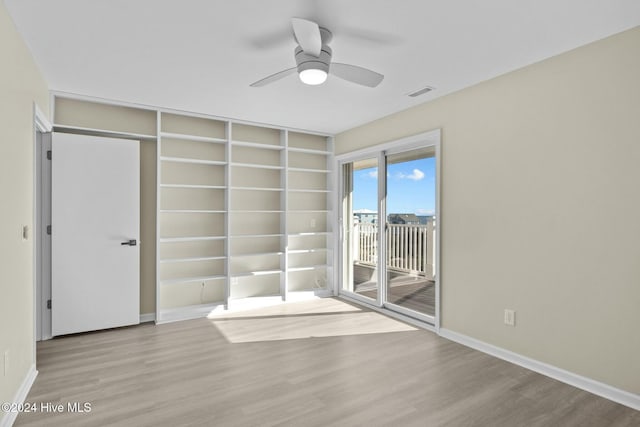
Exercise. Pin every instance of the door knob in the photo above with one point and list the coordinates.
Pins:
(132, 242)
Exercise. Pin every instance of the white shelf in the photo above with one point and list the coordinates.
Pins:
(244, 236)
(319, 233)
(189, 239)
(192, 161)
(193, 137)
(256, 166)
(307, 251)
(197, 186)
(257, 188)
(300, 190)
(191, 211)
(256, 145)
(190, 259)
(257, 273)
(102, 132)
(192, 279)
(252, 211)
(307, 268)
(309, 170)
(256, 254)
(309, 151)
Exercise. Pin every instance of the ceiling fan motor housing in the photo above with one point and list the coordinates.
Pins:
(305, 61)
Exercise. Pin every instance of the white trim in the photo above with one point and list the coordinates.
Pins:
(80, 130)
(394, 314)
(438, 230)
(147, 317)
(41, 120)
(430, 138)
(41, 125)
(158, 206)
(168, 315)
(352, 296)
(21, 395)
(284, 215)
(304, 295)
(592, 386)
(383, 283)
(427, 318)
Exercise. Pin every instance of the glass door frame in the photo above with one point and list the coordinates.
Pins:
(378, 301)
(429, 139)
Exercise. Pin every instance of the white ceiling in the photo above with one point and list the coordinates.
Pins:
(201, 55)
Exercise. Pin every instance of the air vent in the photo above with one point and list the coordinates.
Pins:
(421, 91)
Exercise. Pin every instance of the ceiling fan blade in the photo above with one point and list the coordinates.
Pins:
(307, 35)
(355, 74)
(274, 77)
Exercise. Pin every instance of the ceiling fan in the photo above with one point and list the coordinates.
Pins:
(313, 59)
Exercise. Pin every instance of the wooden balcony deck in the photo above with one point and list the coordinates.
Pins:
(411, 291)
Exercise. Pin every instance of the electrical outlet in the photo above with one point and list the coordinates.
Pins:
(6, 363)
(509, 317)
(312, 223)
(234, 280)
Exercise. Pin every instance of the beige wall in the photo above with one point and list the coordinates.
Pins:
(541, 207)
(21, 84)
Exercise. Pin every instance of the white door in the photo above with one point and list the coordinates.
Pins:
(95, 217)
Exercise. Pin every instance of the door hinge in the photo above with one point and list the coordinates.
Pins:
(49, 304)
(49, 230)
(48, 154)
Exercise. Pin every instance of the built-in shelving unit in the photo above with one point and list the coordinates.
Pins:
(309, 254)
(257, 206)
(241, 211)
(192, 214)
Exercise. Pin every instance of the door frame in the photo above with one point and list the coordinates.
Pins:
(341, 161)
(422, 140)
(42, 129)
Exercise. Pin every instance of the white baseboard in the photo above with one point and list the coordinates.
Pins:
(592, 386)
(390, 313)
(147, 317)
(189, 312)
(8, 418)
(234, 306)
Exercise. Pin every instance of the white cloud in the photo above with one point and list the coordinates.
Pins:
(373, 173)
(416, 175)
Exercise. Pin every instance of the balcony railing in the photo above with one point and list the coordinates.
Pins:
(410, 248)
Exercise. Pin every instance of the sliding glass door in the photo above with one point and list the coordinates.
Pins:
(389, 223)
(410, 231)
(360, 228)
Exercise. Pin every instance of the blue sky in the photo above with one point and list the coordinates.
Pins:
(410, 187)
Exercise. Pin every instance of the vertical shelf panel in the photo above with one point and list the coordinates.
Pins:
(192, 215)
(309, 215)
(257, 178)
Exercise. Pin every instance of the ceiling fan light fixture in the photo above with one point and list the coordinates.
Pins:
(313, 59)
(313, 76)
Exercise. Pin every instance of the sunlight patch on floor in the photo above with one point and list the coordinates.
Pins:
(305, 324)
(255, 307)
